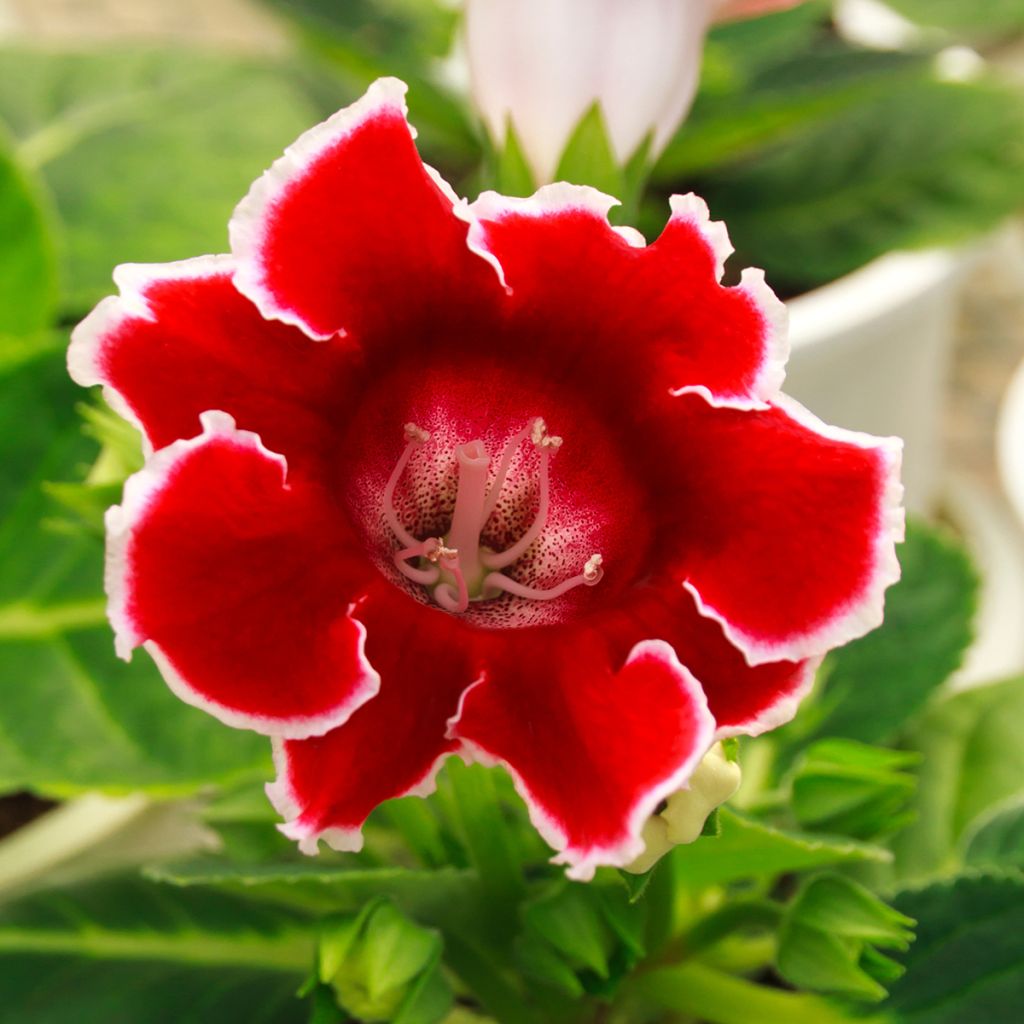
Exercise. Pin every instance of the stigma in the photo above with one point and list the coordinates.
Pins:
(458, 568)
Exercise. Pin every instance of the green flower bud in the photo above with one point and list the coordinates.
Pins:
(384, 967)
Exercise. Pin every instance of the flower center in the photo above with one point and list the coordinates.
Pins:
(458, 568)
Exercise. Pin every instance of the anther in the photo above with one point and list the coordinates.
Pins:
(592, 571)
(541, 438)
(439, 553)
(416, 434)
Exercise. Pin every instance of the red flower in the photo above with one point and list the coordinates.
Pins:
(533, 497)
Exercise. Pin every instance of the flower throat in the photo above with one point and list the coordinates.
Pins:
(458, 568)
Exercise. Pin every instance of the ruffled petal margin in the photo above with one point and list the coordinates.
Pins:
(393, 745)
(591, 750)
(350, 232)
(656, 313)
(179, 339)
(204, 560)
(790, 526)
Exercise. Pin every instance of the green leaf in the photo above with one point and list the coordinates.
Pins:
(146, 152)
(361, 40)
(747, 849)
(830, 937)
(973, 749)
(873, 686)
(434, 897)
(996, 840)
(72, 716)
(126, 950)
(28, 263)
(927, 163)
(967, 964)
(980, 20)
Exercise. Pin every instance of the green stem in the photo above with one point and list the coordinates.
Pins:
(489, 840)
(495, 992)
(718, 998)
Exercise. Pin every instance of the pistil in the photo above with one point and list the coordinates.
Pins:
(457, 567)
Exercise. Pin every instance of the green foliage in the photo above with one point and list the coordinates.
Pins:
(996, 839)
(361, 40)
(578, 939)
(146, 153)
(747, 849)
(73, 717)
(872, 687)
(925, 163)
(973, 749)
(383, 967)
(512, 175)
(967, 964)
(28, 265)
(830, 937)
(977, 20)
(852, 789)
(126, 950)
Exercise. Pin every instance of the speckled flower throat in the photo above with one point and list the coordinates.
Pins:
(459, 567)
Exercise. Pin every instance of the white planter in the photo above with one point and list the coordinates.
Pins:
(872, 352)
(1010, 442)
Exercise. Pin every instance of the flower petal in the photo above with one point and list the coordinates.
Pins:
(789, 526)
(180, 339)
(349, 231)
(240, 585)
(393, 745)
(592, 749)
(653, 319)
(744, 699)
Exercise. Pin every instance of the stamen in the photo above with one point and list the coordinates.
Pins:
(447, 597)
(590, 575)
(546, 443)
(420, 549)
(415, 436)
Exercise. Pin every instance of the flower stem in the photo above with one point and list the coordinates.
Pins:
(717, 998)
(489, 840)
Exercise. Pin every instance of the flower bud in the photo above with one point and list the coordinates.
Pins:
(541, 65)
(382, 965)
(682, 819)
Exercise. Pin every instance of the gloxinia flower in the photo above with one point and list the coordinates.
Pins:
(540, 65)
(495, 479)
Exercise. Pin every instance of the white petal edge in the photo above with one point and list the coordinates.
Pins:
(862, 612)
(248, 224)
(110, 314)
(582, 865)
(121, 521)
(691, 209)
(782, 711)
(282, 797)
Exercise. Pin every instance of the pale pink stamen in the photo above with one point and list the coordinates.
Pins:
(464, 561)
(591, 574)
(415, 436)
(494, 491)
(419, 549)
(449, 598)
